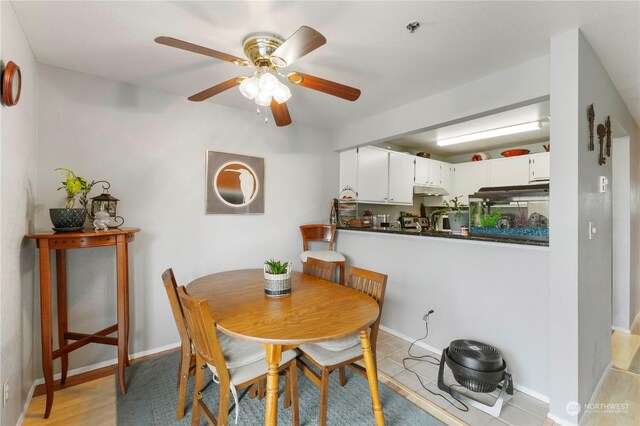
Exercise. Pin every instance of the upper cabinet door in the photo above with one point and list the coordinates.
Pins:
(539, 166)
(422, 171)
(400, 178)
(348, 170)
(373, 175)
(467, 179)
(508, 171)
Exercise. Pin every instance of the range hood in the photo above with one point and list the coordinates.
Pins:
(429, 190)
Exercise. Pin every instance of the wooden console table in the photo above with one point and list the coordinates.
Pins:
(60, 242)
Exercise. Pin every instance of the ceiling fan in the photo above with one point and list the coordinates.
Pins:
(268, 52)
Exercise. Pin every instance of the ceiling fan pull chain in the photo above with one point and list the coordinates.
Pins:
(266, 116)
(258, 110)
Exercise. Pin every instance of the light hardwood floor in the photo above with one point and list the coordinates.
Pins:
(91, 403)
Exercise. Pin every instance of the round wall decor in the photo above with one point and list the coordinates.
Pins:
(11, 84)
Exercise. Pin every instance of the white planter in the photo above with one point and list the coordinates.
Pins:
(462, 219)
(277, 285)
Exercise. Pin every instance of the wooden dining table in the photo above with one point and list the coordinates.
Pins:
(315, 311)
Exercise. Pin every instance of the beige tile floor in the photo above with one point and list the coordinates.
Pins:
(621, 387)
(520, 410)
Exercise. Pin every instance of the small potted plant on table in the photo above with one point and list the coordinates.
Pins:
(70, 218)
(277, 278)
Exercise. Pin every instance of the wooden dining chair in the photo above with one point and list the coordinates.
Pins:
(319, 269)
(321, 233)
(336, 354)
(187, 357)
(234, 370)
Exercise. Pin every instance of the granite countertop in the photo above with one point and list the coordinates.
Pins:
(448, 234)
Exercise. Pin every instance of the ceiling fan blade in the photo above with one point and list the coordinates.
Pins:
(214, 90)
(185, 45)
(325, 86)
(303, 41)
(280, 113)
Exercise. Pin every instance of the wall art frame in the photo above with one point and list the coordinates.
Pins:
(234, 183)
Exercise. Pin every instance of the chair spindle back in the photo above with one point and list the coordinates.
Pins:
(319, 269)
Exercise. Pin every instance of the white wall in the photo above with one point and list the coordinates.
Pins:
(18, 171)
(494, 93)
(151, 147)
(622, 315)
(492, 292)
(580, 269)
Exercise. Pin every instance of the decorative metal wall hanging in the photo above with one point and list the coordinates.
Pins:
(234, 184)
(607, 125)
(591, 115)
(601, 134)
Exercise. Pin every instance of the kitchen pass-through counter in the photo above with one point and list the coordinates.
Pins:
(447, 234)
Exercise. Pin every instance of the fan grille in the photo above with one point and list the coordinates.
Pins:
(476, 355)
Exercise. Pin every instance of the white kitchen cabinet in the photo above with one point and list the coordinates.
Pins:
(539, 166)
(467, 179)
(421, 176)
(349, 169)
(432, 173)
(400, 178)
(508, 171)
(373, 175)
(439, 173)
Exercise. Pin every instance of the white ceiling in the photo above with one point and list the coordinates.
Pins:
(367, 45)
(426, 141)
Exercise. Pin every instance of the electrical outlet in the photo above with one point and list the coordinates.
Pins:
(431, 310)
(5, 392)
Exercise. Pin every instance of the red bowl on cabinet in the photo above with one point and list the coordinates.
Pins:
(514, 152)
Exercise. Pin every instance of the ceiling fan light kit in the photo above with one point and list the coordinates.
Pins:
(502, 131)
(267, 52)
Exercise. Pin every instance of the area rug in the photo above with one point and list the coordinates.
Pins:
(151, 399)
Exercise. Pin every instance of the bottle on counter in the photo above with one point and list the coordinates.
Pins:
(333, 219)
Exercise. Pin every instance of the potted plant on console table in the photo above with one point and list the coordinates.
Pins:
(457, 212)
(69, 218)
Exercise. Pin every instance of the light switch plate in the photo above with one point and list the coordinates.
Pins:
(603, 183)
(592, 231)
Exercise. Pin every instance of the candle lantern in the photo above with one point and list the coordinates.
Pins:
(110, 204)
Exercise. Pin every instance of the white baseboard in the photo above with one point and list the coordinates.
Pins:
(558, 420)
(438, 351)
(87, 368)
(596, 391)
(107, 363)
(621, 329)
(26, 404)
(635, 321)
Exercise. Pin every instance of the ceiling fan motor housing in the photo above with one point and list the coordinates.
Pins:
(259, 46)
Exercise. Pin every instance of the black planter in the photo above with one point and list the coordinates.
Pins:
(68, 218)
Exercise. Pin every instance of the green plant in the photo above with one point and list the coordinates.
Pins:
(75, 185)
(490, 220)
(453, 205)
(276, 267)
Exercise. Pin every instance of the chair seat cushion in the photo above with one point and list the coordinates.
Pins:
(341, 344)
(326, 255)
(239, 352)
(255, 369)
(328, 358)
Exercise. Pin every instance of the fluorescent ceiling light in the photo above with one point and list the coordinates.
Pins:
(519, 128)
